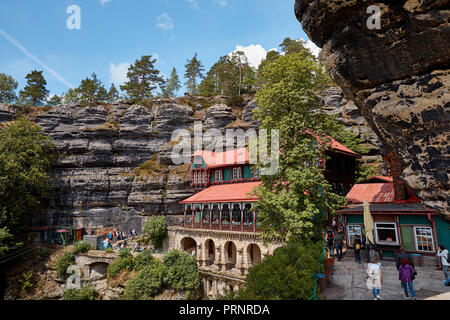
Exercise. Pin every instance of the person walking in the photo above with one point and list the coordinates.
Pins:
(339, 243)
(445, 260)
(406, 276)
(375, 278)
(403, 255)
(334, 224)
(357, 248)
(330, 240)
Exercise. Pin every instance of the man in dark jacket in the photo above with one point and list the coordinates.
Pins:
(357, 248)
(402, 255)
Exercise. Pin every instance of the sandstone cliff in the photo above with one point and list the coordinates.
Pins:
(398, 77)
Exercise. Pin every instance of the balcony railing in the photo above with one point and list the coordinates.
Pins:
(216, 225)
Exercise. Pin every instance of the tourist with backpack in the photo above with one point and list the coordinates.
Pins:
(339, 243)
(445, 259)
(375, 278)
(402, 255)
(406, 275)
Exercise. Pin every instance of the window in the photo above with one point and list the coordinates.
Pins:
(386, 233)
(204, 177)
(424, 239)
(353, 230)
(219, 175)
(195, 177)
(236, 173)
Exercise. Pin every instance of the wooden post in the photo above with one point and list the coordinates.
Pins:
(254, 221)
(242, 217)
(184, 220)
(231, 217)
(210, 216)
(201, 218)
(220, 217)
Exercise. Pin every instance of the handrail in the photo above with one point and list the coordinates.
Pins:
(320, 262)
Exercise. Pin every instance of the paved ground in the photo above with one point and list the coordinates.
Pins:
(348, 282)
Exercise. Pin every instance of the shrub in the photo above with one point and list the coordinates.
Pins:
(148, 282)
(81, 247)
(124, 261)
(142, 260)
(43, 254)
(287, 275)
(27, 280)
(109, 250)
(182, 271)
(156, 229)
(63, 262)
(87, 293)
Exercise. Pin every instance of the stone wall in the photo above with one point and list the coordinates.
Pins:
(398, 76)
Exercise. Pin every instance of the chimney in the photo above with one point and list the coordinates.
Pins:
(396, 170)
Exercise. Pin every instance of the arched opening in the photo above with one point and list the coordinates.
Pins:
(210, 248)
(225, 214)
(253, 254)
(189, 245)
(230, 255)
(205, 214)
(236, 215)
(189, 214)
(215, 212)
(97, 271)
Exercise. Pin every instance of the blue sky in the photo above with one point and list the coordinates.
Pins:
(115, 33)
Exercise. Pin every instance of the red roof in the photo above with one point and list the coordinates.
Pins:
(222, 159)
(337, 146)
(233, 192)
(377, 179)
(372, 192)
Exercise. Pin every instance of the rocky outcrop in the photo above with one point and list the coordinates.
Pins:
(218, 116)
(398, 76)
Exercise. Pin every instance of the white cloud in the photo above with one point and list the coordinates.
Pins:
(165, 22)
(221, 3)
(118, 73)
(193, 4)
(314, 49)
(254, 53)
(104, 2)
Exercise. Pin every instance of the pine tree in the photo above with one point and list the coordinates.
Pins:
(8, 88)
(194, 72)
(173, 83)
(91, 91)
(72, 96)
(35, 90)
(143, 78)
(113, 94)
(55, 100)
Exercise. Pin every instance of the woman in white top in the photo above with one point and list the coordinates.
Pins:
(375, 278)
(443, 253)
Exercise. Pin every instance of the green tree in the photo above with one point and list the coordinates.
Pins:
(91, 91)
(143, 78)
(25, 157)
(194, 72)
(55, 100)
(148, 282)
(35, 90)
(72, 96)
(113, 94)
(6, 239)
(289, 46)
(286, 275)
(156, 229)
(182, 272)
(8, 88)
(293, 199)
(172, 84)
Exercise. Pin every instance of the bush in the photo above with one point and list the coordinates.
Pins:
(81, 247)
(148, 282)
(124, 261)
(109, 250)
(27, 280)
(287, 275)
(182, 271)
(142, 260)
(87, 293)
(43, 254)
(63, 262)
(156, 229)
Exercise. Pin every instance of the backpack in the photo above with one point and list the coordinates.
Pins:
(357, 246)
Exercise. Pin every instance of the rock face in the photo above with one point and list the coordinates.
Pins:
(218, 116)
(398, 76)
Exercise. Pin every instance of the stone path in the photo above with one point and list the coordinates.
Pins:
(348, 282)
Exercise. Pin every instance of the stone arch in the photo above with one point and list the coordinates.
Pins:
(230, 255)
(210, 251)
(188, 244)
(254, 255)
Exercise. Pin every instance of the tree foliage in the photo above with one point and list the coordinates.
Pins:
(286, 275)
(63, 262)
(194, 72)
(143, 78)
(35, 92)
(25, 157)
(293, 199)
(8, 88)
(86, 293)
(148, 282)
(156, 229)
(182, 271)
(91, 91)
